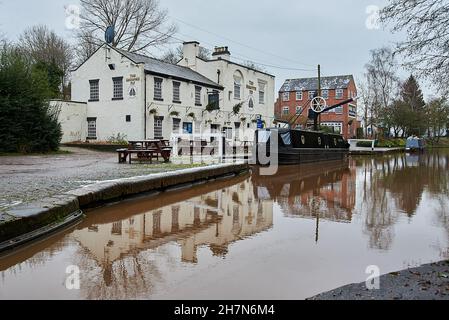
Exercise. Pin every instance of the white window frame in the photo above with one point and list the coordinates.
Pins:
(158, 127)
(198, 91)
(285, 96)
(311, 94)
(299, 110)
(262, 92)
(325, 94)
(158, 88)
(338, 126)
(299, 96)
(117, 84)
(94, 90)
(92, 128)
(237, 88)
(339, 93)
(284, 109)
(339, 110)
(176, 91)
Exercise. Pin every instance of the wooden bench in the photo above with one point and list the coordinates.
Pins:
(122, 155)
(144, 155)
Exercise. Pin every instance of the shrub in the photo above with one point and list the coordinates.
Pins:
(121, 139)
(28, 124)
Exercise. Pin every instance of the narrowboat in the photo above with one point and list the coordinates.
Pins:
(297, 146)
(415, 144)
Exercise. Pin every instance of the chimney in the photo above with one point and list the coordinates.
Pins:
(190, 51)
(222, 52)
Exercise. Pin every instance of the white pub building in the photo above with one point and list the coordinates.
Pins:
(121, 94)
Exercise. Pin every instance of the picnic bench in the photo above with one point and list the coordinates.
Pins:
(146, 150)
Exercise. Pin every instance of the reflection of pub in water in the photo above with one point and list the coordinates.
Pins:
(326, 189)
(215, 219)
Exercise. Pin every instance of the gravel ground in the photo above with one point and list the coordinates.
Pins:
(429, 282)
(30, 178)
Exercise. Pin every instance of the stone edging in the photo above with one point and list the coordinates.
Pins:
(30, 217)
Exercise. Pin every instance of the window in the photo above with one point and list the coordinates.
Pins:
(94, 90)
(262, 92)
(339, 110)
(158, 127)
(92, 128)
(158, 89)
(286, 111)
(311, 95)
(299, 110)
(197, 96)
(214, 100)
(286, 96)
(176, 91)
(118, 88)
(339, 94)
(128, 118)
(298, 95)
(325, 94)
(336, 126)
(237, 87)
(286, 138)
(176, 125)
(228, 133)
(352, 111)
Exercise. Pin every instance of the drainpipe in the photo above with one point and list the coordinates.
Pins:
(145, 106)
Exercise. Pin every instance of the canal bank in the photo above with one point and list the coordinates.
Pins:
(36, 217)
(428, 282)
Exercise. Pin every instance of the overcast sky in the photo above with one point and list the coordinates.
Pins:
(289, 34)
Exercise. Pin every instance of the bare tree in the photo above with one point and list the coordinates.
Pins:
(87, 45)
(139, 24)
(369, 106)
(382, 85)
(426, 49)
(175, 55)
(45, 46)
(254, 66)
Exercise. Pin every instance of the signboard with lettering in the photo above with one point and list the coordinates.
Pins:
(133, 78)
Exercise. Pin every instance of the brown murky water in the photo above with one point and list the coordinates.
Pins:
(306, 230)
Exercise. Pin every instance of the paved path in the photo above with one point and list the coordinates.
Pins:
(30, 178)
(429, 282)
(361, 150)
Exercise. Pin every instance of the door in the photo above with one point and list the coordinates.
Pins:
(187, 128)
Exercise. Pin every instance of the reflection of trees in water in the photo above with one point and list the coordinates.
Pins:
(442, 216)
(397, 183)
(380, 214)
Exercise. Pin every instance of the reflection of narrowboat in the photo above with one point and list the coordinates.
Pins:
(297, 146)
(415, 144)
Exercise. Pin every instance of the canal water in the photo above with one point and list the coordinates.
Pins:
(306, 230)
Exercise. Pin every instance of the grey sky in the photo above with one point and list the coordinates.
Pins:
(296, 34)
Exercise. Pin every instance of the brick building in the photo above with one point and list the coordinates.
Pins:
(295, 96)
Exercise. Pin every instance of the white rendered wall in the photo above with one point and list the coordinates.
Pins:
(72, 117)
(111, 115)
